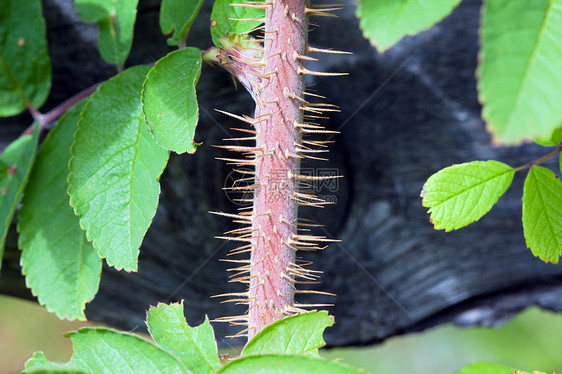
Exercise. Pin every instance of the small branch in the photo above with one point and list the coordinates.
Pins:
(530, 164)
(45, 119)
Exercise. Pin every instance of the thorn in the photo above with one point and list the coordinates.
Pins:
(320, 50)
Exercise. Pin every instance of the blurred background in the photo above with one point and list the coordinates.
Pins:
(529, 341)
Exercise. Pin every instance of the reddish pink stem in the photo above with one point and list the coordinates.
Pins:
(278, 115)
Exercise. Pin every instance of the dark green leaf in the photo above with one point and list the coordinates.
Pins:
(284, 364)
(224, 19)
(177, 16)
(485, 368)
(461, 194)
(116, 21)
(17, 160)
(170, 101)
(385, 22)
(301, 333)
(61, 267)
(194, 346)
(25, 67)
(114, 169)
(519, 79)
(542, 213)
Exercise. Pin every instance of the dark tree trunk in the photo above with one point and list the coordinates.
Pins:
(404, 116)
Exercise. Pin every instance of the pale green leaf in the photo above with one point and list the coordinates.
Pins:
(224, 19)
(170, 101)
(38, 363)
(115, 168)
(385, 22)
(25, 67)
(542, 213)
(285, 364)
(194, 346)
(177, 16)
(301, 333)
(100, 351)
(17, 160)
(461, 194)
(60, 266)
(485, 368)
(519, 75)
(116, 22)
(552, 139)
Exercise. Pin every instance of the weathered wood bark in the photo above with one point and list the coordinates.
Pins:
(405, 115)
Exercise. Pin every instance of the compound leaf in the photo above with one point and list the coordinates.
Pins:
(224, 19)
(115, 168)
(116, 21)
(485, 368)
(170, 101)
(461, 194)
(16, 162)
(385, 22)
(284, 364)
(301, 333)
(542, 213)
(25, 67)
(177, 16)
(61, 267)
(519, 79)
(194, 346)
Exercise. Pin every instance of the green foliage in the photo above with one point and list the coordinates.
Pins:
(224, 19)
(116, 21)
(485, 368)
(177, 16)
(552, 139)
(301, 333)
(170, 102)
(114, 170)
(519, 82)
(283, 364)
(542, 213)
(194, 346)
(461, 194)
(15, 165)
(60, 266)
(385, 22)
(25, 67)
(100, 350)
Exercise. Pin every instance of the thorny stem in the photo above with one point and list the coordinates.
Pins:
(530, 164)
(272, 70)
(59, 110)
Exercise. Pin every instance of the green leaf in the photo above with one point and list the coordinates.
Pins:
(25, 67)
(170, 102)
(100, 350)
(462, 194)
(17, 160)
(284, 364)
(385, 22)
(301, 333)
(542, 213)
(224, 19)
(485, 368)
(38, 363)
(519, 79)
(115, 168)
(177, 16)
(116, 22)
(194, 346)
(552, 139)
(61, 267)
